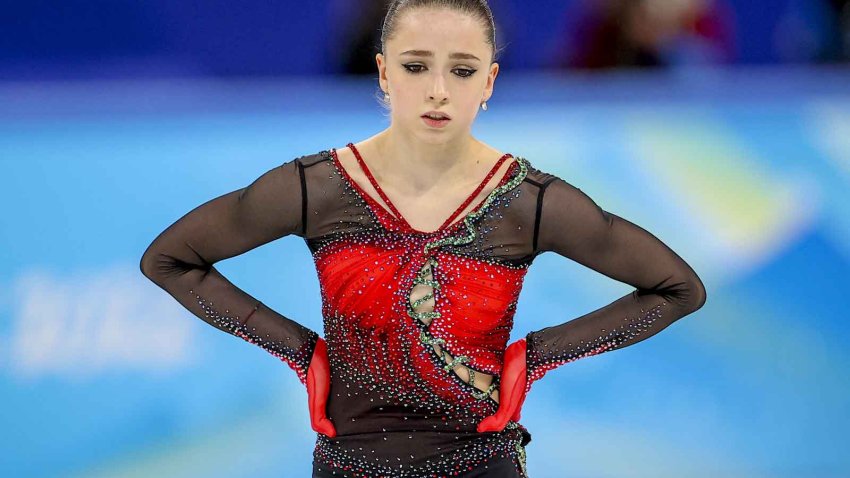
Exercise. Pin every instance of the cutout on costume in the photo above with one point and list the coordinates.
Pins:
(422, 302)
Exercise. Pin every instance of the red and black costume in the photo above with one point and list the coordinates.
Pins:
(411, 317)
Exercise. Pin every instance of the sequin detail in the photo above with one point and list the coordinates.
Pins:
(416, 323)
(422, 278)
(297, 358)
(540, 360)
(384, 289)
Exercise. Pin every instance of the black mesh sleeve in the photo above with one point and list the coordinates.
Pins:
(180, 261)
(572, 225)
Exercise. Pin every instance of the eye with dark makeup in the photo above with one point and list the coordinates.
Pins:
(411, 68)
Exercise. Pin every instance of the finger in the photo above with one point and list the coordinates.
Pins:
(497, 421)
(493, 423)
(518, 409)
(324, 426)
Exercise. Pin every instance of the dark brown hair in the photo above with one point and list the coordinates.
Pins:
(478, 9)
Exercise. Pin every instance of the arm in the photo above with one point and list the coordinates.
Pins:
(573, 226)
(180, 261)
(666, 287)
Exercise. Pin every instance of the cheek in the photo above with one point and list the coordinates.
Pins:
(473, 106)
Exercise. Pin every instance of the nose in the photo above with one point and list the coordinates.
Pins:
(438, 89)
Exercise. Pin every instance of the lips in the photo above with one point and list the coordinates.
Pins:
(436, 115)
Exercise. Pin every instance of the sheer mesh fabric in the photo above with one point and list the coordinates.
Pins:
(572, 225)
(417, 323)
(422, 295)
(180, 260)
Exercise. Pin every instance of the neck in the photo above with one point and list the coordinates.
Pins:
(420, 166)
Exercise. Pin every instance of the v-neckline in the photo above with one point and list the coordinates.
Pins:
(394, 212)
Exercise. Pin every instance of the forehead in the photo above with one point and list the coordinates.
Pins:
(440, 31)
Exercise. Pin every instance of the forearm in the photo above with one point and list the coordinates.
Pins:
(210, 296)
(626, 321)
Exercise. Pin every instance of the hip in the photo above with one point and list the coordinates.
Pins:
(499, 467)
(416, 454)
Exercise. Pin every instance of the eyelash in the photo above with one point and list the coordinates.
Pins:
(412, 72)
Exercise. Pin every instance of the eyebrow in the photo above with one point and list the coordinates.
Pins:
(454, 56)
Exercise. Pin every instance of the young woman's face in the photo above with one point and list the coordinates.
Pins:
(453, 79)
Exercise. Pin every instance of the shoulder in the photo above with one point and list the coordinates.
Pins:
(537, 177)
(311, 171)
(295, 169)
(546, 188)
(310, 159)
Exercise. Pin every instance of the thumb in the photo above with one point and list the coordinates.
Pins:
(318, 390)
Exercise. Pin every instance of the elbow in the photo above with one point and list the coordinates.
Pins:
(145, 265)
(160, 266)
(148, 263)
(697, 294)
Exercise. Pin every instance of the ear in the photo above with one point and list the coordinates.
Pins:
(491, 81)
(382, 71)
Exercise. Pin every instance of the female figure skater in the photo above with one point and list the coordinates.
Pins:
(421, 237)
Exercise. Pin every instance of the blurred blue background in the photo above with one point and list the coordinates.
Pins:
(723, 127)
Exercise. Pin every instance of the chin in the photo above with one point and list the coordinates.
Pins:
(435, 137)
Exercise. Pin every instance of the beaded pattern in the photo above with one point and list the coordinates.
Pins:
(423, 277)
(539, 359)
(409, 344)
(296, 358)
(416, 323)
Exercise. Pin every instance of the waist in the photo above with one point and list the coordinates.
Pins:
(417, 453)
